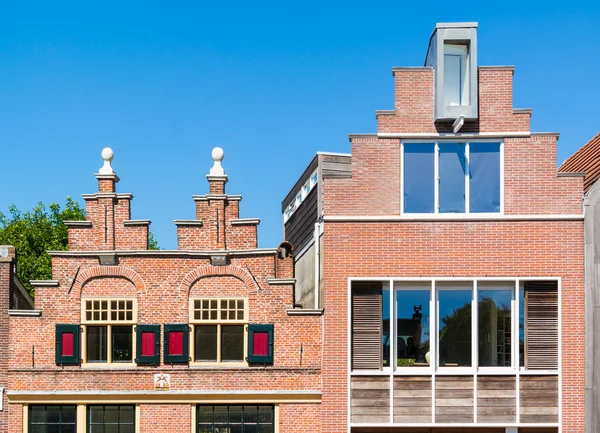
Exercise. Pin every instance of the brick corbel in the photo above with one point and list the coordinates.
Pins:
(212, 271)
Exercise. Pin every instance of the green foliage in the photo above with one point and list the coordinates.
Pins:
(152, 242)
(36, 232)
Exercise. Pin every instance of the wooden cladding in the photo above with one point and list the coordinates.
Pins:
(370, 399)
(454, 399)
(366, 326)
(496, 399)
(541, 325)
(539, 399)
(412, 399)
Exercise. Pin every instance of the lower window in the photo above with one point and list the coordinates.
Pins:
(235, 419)
(52, 418)
(110, 419)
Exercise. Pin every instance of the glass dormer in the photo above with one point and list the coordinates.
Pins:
(452, 53)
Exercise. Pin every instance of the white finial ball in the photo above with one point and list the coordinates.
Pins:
(217, 154)
(107, 154)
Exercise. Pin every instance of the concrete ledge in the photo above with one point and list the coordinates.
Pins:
(522, 111)
(385, 112)
(45, 283)
(106, 195)
(25, 313)
(281, 281)
(546, 134)
(410, 68)
(245, 221)
(567, 174)
(197, 223)
(128, 223)
(498, 67)
(217, 197)
(304, 312)
(82, 223)
(165, 253)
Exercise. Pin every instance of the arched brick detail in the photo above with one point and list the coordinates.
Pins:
(212, 271)
(109, 271)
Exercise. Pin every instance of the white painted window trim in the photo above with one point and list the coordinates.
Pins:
(462, 215)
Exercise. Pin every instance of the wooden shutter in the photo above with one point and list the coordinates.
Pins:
(366, 326)
(541, 325)
(260, 343)
(175, 349)
(67, 344)
(147, 344)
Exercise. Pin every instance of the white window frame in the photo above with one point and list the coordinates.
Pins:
(219, 323)
(109, 324)
(436, 213)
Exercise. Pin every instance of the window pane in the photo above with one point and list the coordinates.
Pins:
(232, 343)
(67, 414)
(521, 327)
(111, 414)
(484, 173)
(455, 327)
(419, 178)
(205, 414)
(235, 414)
(121, 343)
(455, 76)
(37, 414)
(126, 414)
(385, 326)
(494, 325)
(452, 168)
(205, 348)
(220, 414)
(53, 414)
(97, 343)
(96, 414)
(412, 324)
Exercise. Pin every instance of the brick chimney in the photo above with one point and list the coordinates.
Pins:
(217, 225)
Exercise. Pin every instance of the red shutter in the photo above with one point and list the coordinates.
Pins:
(261, 344)
(67, 343)
(148, 344)
(176, 343)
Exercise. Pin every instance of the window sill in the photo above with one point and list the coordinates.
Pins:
(214, 365)
(108, 366)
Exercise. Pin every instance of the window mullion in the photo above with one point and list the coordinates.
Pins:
(467, 183)
(436, 174)
(393, 328)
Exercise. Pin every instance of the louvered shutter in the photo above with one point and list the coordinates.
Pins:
(366, 326)
(541, 325)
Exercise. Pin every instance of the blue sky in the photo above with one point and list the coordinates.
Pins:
(270, 82)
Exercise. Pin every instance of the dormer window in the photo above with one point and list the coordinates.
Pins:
(456, 73)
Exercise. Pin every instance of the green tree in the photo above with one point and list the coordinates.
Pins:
(36, 232)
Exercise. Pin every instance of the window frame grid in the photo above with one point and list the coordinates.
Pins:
(108, 323)
(45, 423)
(197, 407)
(219, 323)
(88, 416)
(436, 214)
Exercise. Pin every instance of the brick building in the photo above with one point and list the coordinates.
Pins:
(199, 339)
(446, 252)
(586, 163)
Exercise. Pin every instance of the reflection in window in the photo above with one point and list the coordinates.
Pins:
(412, 327)
(455, 327)
(385, 317)
(495, 327)
(456, 85)
(419, 178)
(484, 174)
(452, 168)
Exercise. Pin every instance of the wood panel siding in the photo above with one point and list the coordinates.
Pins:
(370, 399)
(366, 326)
(541, 325)
(300, 228)
(312, 166)
(454, 399)
(496, 399)
(539, 399)
(335, 166)
(412, 399)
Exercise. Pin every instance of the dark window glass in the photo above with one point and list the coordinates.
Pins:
(111, 419)
(412, 327)
(97, 343)
(235, 419)
(52, 418)
(205, 348)
(385, 322)
(484, 177)
(121, 343)
(419, 178)
(452, 169)
(232, 343)
(494, 327)
(455, 327)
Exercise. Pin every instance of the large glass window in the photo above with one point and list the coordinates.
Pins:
(219, 329)
(235, 419)
(451, 178)
(52, 418)
(456, 81)
(495, 324)
(455, 325)
(413, 325)
(110, 419)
